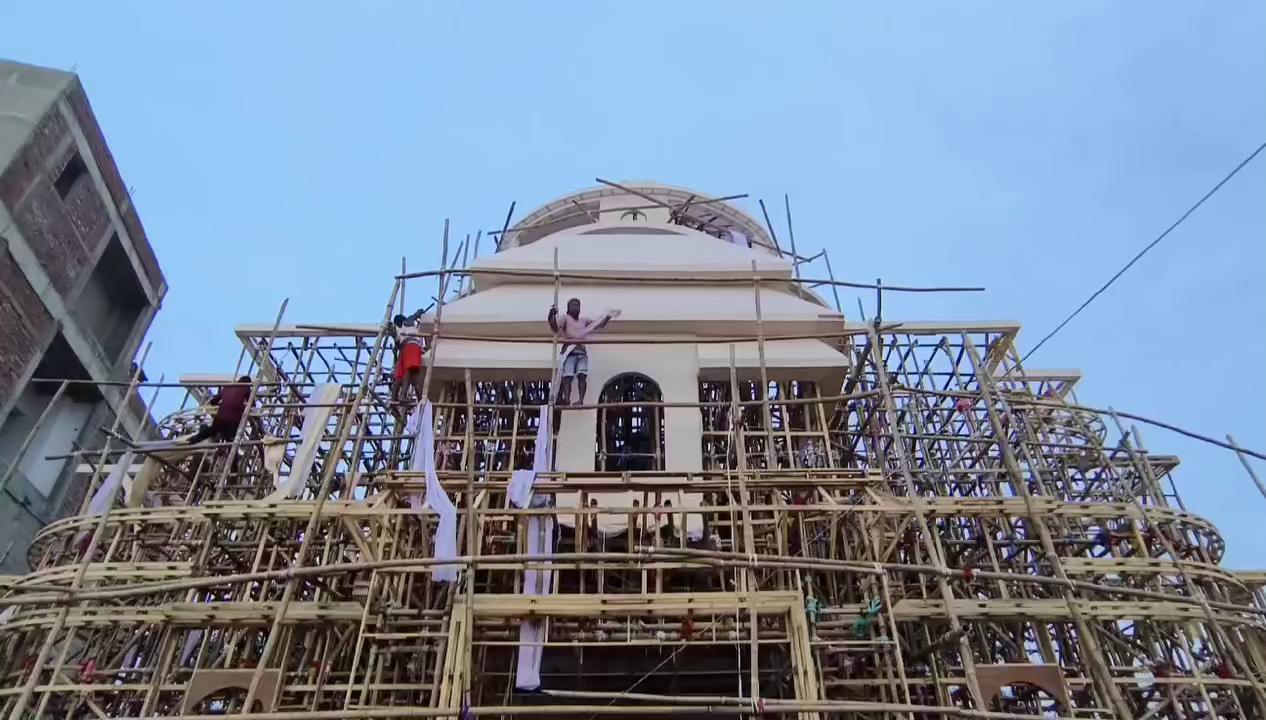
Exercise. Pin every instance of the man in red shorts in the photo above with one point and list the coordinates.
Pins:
(408, 370)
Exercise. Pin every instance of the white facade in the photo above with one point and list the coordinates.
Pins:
(612, 242)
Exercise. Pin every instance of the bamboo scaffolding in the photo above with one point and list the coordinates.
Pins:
(28, 688)
(995, 521)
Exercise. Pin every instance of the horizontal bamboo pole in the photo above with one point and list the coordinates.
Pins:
(705, 558)
(745, 280)
(761, 707)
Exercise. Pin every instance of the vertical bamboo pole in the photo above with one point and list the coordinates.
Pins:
(1243, 460)
(465, 250)
(28, 688)
(835, 290)
(327, 476)
(360, 641)
(770, 226)
(896, 641)
(791, 236)
(770, 459)
(554, 359)
(442, 281)
(472, 536)
(749, 539)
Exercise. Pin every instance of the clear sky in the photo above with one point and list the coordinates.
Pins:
(300, 149)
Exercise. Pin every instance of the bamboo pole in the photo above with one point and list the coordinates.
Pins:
(680, 707)
(749, 538)
(791, 236)
(553, 352)
(835, 289)
(472, 537)
(327, 476)
(772, 235)
(696, 280)
(360, 641)
(642, 555)
(1239, 453)
(770, 458)
(439, 314)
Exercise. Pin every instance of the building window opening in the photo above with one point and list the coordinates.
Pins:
(630, 434)
(38, 478)
(65, 182)
(112, 301)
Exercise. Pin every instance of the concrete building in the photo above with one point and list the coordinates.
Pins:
(79, 287)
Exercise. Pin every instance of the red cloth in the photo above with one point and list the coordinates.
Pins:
(233, 403)
(410, 359)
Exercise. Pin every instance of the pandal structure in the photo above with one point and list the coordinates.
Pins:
(767, 511)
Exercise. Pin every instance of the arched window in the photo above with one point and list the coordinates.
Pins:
(630, 437)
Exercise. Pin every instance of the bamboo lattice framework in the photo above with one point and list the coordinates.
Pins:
(931, 532)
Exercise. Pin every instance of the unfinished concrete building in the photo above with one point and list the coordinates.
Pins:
(761, 507)
(79, 287)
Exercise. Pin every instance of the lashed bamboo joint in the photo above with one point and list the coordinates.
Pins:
(759, 508)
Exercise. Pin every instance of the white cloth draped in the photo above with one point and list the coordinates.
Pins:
(316, 415)
(104, 497)
(519, 491)
(540, 541)
(423, 459)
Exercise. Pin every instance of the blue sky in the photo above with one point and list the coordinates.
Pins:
(1029, 147)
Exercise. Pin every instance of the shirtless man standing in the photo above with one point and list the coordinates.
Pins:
(570, 329)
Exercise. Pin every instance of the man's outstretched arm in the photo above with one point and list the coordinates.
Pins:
(552, 318)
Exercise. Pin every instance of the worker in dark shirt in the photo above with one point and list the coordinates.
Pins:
(230, 407)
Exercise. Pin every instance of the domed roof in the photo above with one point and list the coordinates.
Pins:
(640, 202)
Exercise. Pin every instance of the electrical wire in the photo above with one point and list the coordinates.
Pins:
(1144, 251)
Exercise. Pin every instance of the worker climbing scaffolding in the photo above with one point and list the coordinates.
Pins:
(409, 350)
(230, 407)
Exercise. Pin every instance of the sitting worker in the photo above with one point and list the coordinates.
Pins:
(230, 406)
(571, 328)
(408, 358)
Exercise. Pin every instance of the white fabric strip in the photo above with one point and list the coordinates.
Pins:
(436, 499)
(104, 497)
(315, 418)
(540, 541)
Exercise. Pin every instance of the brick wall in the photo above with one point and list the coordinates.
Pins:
(25, 325)
(42, 219)
(78, 101)
(29, 163)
